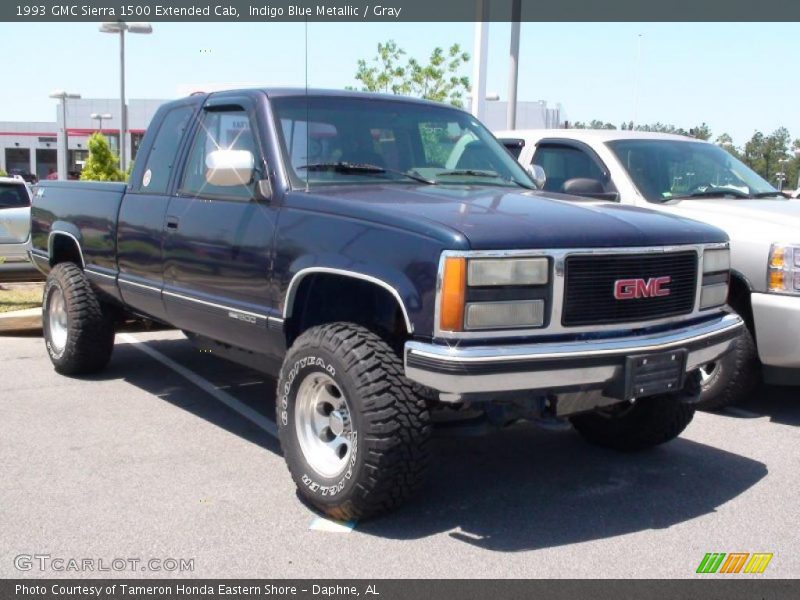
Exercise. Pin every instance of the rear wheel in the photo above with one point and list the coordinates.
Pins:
(354, 434)
(646, 423)
(78, 331)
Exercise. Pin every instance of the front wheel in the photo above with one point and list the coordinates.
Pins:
(78, 331)
(732, 377)
(631, 427)
(354, 434)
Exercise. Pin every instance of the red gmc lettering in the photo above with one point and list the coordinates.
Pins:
(629, 289)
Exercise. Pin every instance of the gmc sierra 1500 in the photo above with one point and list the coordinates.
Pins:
(324, 237)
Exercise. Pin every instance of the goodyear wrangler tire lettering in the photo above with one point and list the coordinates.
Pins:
(354, 434)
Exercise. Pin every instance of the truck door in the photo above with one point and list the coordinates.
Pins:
(141, 216)
(218, 239)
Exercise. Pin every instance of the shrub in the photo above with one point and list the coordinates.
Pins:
(102, 164)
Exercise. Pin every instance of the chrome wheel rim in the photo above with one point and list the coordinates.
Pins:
(57, 319)
(708, 371)
(323, 425)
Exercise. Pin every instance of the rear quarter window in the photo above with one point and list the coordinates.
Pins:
(13, 196)
(164, 152)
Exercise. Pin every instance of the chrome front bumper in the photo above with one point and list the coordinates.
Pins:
(560, 366)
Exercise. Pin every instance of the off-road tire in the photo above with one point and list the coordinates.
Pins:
(391, 423)
(734, 377)
(90, 327)
(646, 423)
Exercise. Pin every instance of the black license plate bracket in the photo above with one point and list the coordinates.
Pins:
(655, 373)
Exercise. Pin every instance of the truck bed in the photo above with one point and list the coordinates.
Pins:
(87, 210)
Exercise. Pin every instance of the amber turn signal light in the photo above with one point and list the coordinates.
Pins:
(454, 279)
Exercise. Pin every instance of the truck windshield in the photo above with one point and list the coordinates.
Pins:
(331, 140)
(666, 170)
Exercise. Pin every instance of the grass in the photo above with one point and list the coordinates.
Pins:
(19, 297)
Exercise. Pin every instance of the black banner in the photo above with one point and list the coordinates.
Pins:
(383, 589)
(398, 10)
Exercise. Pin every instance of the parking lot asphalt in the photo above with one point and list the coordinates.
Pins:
(170, 453)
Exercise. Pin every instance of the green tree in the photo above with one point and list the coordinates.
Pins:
(440, 79)
(3, 173)
(725, 141)
(593, 124)
(701, 132)
(102, 164)
(765, 154)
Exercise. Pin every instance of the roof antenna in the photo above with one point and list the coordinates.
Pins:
(308, 125)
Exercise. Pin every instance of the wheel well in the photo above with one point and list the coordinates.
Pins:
(65, 248)
(739, 300)
(327, 298)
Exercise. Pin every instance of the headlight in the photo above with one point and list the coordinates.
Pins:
(507, 271)
(784, 269)
(493, 293)
(716, 277)
(493, 315)
(716, 260)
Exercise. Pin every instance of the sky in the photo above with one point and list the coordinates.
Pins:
(738, 78)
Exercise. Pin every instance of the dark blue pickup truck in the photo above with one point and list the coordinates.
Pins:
(386, 259)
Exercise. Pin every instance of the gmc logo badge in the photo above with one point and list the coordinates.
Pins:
(629, 289)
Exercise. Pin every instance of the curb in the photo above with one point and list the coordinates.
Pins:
(21, 320)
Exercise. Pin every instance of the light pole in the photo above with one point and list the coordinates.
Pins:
(782, 173)
(121, 27)
(63, 156)
(100, 117)
(480, 53)
(636, 76)
(513, 76)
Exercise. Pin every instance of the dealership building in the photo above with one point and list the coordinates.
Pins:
(34, 146)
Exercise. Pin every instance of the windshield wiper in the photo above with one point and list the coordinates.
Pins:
(348, 167)
(715, 193)
(484, 173)
(773, 194)
(469, 173)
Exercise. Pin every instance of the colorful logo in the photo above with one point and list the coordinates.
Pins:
(735, 562)
(630, 289)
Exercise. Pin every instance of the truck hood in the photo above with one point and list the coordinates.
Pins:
(492, 218)
(769, 220)
(752, 225)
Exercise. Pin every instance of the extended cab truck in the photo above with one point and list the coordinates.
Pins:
(320, 237)
(699, 180)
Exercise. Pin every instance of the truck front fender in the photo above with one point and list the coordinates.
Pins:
(395, 282)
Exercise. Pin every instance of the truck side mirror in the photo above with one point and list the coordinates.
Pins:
(227, 167)
(538, 175)
(582, 186)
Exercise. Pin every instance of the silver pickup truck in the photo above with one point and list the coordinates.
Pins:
(700, 180)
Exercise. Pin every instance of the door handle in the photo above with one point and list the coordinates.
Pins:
(172, 222)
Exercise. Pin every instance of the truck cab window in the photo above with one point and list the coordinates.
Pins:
(218, 131)
(161, 158)
(562, 163)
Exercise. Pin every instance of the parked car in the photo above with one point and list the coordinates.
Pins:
(321, 238)
(15, 225)
(27, 176)
(692, 178)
